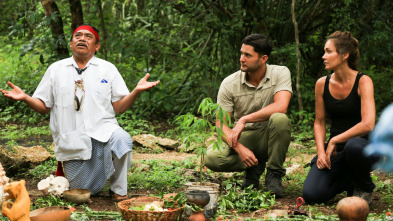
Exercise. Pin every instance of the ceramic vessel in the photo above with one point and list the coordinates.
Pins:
(197, 216)
(58, 213)
(198, 197)
(77, 196)
(213, 189)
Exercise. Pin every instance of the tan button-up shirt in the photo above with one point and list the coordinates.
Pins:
(241, 98)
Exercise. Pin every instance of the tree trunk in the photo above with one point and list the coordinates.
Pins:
(299, 96)
(30, 6)
(56, 26)
(76, 14)
(104, 33)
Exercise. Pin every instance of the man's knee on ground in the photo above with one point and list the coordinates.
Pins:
(217, 163)
(279, 121)
(212, 162)
(121, 134)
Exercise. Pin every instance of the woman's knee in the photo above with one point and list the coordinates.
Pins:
(313, 194)
(311, 198)
(315, 188)
(355, 146)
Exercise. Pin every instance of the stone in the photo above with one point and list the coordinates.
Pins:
(152, 142)
(19, 159)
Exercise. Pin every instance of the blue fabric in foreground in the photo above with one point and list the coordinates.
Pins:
(381, 140)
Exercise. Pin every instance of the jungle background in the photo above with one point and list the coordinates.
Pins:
(190, 46)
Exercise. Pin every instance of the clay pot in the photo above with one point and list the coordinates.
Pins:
(198, 197)
(197, 216)
(58, 213)
(77, 196)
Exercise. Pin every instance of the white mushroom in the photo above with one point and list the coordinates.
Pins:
(43, 186)
(53, 185)
(58, 185)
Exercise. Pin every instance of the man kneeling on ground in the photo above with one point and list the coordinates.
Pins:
(258, 97)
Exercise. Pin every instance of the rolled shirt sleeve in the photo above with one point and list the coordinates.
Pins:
(224, 98)
(119, 87)
(44, 91)
(283, 80)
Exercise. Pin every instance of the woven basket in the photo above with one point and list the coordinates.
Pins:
(138, 215)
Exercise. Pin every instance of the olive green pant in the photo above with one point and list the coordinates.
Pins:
(269, 144)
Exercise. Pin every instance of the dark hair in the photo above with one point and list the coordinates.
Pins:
(260, 43)
(95, 29)
(346, 43)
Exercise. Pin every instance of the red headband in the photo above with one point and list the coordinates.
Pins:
(89, 28)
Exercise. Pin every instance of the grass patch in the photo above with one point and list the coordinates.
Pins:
(158, 176)
(44, 170)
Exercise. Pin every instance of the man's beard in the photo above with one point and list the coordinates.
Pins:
(248, 68)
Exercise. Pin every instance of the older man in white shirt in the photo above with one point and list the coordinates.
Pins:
(82, 94)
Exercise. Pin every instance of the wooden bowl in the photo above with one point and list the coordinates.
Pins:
(77, 196)
(58, 213)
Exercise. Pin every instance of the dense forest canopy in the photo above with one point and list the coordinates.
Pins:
(192, 45)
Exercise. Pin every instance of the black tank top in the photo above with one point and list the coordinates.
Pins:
(344, 113)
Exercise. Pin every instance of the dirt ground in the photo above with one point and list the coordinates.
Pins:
(102, 201)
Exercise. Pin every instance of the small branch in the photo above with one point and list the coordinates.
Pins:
(299, 96)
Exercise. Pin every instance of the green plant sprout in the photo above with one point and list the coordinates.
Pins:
(199, 129)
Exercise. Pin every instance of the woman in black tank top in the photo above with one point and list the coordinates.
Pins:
(346, 97)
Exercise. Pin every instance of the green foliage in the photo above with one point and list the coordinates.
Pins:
(198, 130)
(25, 72)
(293, 179)
(161, 176)
(302, 123)
(176, 201)
(44, 170)
(49, 200)
(89, 214)
(11, 144)
(383, 89)
(384, 216)
(131, 123)
(15, 132)
(246, 200)
(192, 45)
(384, 186)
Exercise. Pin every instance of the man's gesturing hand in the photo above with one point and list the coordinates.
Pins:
(16, 93)
(143, 84)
